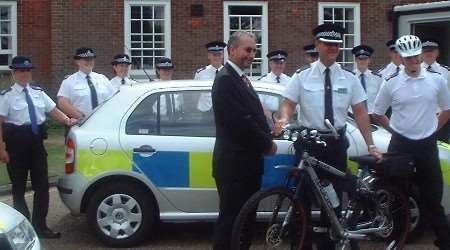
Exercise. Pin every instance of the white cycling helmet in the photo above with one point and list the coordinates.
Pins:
(408, 45)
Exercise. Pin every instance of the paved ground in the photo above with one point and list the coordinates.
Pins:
(76, 234)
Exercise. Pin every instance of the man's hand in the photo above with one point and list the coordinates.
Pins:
(273, 150)
(373, 150)
(4, 156)
(71, 121)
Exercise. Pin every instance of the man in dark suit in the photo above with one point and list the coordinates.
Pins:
(242, 136)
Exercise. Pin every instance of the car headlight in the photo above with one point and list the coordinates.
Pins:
(22, 237)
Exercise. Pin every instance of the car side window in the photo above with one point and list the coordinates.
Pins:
(172, 114)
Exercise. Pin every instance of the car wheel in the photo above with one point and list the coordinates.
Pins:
(416, 217)
(121, 215)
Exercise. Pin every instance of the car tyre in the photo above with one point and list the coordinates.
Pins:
(121, 214)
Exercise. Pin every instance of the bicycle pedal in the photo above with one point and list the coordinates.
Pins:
(320, 229)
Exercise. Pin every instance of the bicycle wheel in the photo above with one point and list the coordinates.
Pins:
(281, 223)
(388, 208)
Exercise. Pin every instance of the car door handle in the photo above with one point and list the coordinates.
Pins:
(144, 149)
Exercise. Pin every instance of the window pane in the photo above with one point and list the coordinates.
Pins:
(159, 45)
(147, 52)
(136, 53)
(159, 12)
(147, 38)
(328, 14)
(159, 53)
(159, 26)
(338, 14)
(136, 62)
(348, 56)
(5, 59)
(5, 13)
(135, 38)
(136, 45)
(256, 23)
(349, 41)
(147, 12)
(135, 27)
(147, 27)
(147, 62)
(143, 120)
(245, 10)
(349, 28)
(6, 43)
(258, 37)
(135, 12)
(5, 27)
(159, 38)
(234, 23)
(349, 14)
(147, 45)
(245, 23)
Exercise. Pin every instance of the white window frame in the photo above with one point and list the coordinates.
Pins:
(127, 30)
(13, 50)
(264, 29)
(356, 17)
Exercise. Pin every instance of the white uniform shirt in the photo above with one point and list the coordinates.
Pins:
(373, 84)
(76, 89)
(444, 70)
(116, 82)
(414, 102)
(389, 70)
(268, 101)
(307, 89)
(206, 73)
(175, 99)
(14, 107)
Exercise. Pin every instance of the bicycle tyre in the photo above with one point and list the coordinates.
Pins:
(262, 201)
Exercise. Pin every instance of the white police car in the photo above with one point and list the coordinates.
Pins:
(16, 232)
(145, 156)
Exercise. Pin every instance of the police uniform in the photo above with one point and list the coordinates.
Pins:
(390, 68)
(311, 52)
(435, 66)
(414, 122)
(370, 81)
(209, 72)
(326, 93)
(83, 91)
(118, 81)
(24, 111)
(173, 101)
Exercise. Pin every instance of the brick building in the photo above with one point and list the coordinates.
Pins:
(50, 30)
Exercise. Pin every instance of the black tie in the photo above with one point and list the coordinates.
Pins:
(123, 81)
(328, 97)
(397, 70)
(429, 68)
(94, 99)
(278, 79)
(363, 83)
(217, 71)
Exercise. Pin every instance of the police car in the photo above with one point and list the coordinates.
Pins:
(16, 231)
(144, 156)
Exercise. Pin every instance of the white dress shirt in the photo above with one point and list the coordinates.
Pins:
(444, 70)
(389, 70)
(76, 89)
(414, 102)
(272, 78)
(307, 89)
(14, 107)
(206, 73)
(268, 101)
(116, 82)
(373, 83)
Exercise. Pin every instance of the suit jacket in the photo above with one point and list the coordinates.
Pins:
(242, 133)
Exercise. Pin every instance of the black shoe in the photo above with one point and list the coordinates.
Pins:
(47, 233)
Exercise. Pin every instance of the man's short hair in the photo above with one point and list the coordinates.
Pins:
(235, 38)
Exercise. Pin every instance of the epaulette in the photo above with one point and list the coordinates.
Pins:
(259, 79)
(353, 73)
(380, 69)
(200, 69)
(36, 87)
(66, 76)
(391, 76)
(376, 74)
(304, 67)
(3, 92)
(432, 71)
(445, 67)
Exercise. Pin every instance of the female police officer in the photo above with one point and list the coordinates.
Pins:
(22, 113)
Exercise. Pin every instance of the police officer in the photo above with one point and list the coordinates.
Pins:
(396, 63)
(326, 90)
(415, 94)
(310, 53)
(84, 90)
(215, 57)
(164, 69)
(121, 65)
(370, 81)
(430, 53)
(277, 65)
(23, 109)
(169, 103)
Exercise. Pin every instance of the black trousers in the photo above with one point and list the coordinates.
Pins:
(443, 134)
(428, 178)
(27, 155)
(232, 196)
(335, 154)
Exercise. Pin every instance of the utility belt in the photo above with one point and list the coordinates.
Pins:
(340, 131)
(11, 130)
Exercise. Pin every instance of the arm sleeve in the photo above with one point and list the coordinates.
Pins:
(358, 93)
(234, 114)
(49, 103)
(64, 90)
(383, 100)
(443, 95)
(3, 106)
(292, 90)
